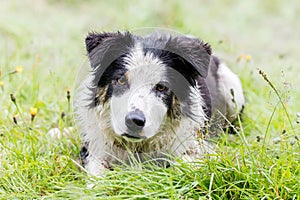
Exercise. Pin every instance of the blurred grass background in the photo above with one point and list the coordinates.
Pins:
(46, 38)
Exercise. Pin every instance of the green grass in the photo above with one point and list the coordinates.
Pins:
(47, 39)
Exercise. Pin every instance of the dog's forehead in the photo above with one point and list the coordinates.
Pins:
(144, 65)
(138, 58)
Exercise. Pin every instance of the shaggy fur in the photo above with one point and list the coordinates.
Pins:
(148, 97)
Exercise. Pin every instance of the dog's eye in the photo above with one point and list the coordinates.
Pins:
(160, 88)
(122, 80)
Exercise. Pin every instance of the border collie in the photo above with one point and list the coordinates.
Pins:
(151, 96)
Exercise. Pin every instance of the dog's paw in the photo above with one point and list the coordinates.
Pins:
(97, 167)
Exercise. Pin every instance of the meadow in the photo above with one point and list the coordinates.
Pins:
(42, 52)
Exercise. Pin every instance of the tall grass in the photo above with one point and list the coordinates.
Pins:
(45, 40)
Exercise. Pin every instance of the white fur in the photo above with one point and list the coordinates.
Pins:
(102, 126)
(225, 106)
(227, 81)
(145, 71)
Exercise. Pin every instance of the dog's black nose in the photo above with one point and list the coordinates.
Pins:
(135, 120)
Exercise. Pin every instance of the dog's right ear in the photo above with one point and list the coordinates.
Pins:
(94, 39)
(103, 48)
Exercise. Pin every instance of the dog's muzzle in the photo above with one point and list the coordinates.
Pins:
(135, 122)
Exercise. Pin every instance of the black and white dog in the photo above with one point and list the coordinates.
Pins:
(151, 96)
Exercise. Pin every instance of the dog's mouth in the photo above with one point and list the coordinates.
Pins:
(133, 137)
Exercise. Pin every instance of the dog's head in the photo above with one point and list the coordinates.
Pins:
(147, 82)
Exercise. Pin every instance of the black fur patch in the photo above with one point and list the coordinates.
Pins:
(214, 66)
(104, 48)
(84, 153)
(94, 39)
(107, 82)
(170, 101)
(173, 107)
(192, 50)
(105, 52)
(176, 62)
(180, 88)
(207, 107)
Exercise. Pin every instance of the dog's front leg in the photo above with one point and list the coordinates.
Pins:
(97, 167)
(94, 164)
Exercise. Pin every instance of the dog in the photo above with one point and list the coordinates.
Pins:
(151, 96)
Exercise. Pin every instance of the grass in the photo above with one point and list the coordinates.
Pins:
(46, 40)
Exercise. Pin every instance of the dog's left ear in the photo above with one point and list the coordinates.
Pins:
(193, 50)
